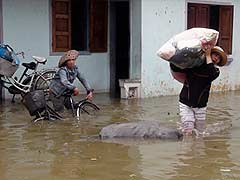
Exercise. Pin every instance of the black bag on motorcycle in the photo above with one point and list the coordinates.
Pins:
(35, 102)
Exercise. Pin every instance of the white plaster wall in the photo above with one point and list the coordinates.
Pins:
(161, 19)
(26, 27)
(229, 78)
(235, 75)
(135, 39)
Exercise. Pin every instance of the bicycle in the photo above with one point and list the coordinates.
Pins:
(37, 106)
(36, 80)
(80, 107)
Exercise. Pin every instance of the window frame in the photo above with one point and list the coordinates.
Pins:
(219, 3)
(88, 51)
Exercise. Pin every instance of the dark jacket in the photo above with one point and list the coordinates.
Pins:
(64, 78)
(195, 91)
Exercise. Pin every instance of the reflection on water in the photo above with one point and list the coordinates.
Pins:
(70, 149)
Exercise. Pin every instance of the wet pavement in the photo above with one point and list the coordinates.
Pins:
(71, 149)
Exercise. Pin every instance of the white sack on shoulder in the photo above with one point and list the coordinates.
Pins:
(202, 34)
(193, 43)
(167, 50)
(200, 38)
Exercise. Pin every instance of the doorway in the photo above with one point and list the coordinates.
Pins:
(119, 44)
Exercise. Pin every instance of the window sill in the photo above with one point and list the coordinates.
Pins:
(61, 53)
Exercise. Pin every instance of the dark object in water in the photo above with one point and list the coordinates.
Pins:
(35, 102)
(141, 129)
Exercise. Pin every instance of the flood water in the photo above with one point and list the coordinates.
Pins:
(70, 149)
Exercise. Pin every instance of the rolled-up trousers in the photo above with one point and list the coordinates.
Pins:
(60, 102)
(192, 117)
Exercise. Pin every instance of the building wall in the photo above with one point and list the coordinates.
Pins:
(160, 21)
(135, 39)
(26, 27)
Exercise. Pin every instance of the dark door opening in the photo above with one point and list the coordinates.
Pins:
(79, 28)
(119, 45)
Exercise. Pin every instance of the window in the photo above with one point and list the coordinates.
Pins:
(80, 25)
(215, 17)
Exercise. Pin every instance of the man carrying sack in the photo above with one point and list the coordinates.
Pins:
(194, 95)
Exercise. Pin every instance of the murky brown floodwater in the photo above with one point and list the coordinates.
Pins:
(70, 149)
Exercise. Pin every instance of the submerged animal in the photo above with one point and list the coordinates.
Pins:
(154, 130)
(140, 129)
